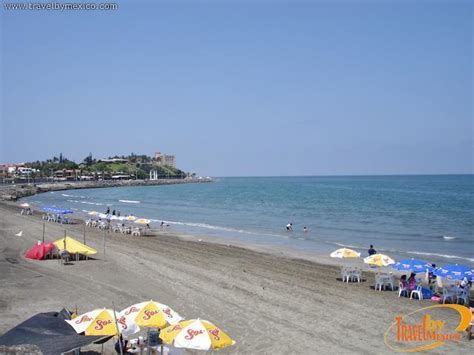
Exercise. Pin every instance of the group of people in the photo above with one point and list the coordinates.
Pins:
(289, 228)
(26, 211)
(409, 284)
(113, 212)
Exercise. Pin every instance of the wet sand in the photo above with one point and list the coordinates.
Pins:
(269, 301)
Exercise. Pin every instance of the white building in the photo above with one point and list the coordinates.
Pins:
(164, 159)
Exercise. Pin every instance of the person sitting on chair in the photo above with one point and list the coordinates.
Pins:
(412, 282)
(64, 255)
(124, 343)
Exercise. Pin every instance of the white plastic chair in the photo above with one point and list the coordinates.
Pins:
(402, 289)
(389, 282)
(378, 282)
(355, 275)
(344, 275)
(448, 294)
(136, 232)
(417, 292)
(464, 296)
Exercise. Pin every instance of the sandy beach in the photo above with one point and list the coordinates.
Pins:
(268, 300)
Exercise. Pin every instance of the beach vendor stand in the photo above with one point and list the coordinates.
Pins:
(74, 247)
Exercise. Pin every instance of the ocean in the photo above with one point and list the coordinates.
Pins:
(425, 217)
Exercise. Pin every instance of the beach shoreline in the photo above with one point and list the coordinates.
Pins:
(257, 296)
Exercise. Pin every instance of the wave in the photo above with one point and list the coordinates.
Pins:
(445, 237)
(86, 202)
(129, 201)
(345, 245)
(225, 229)
(440, 255)
(76, 196)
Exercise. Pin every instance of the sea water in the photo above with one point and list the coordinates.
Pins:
(426, 217)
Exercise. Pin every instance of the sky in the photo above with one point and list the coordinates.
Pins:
(244, 88)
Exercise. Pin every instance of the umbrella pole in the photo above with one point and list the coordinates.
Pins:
(104, 244)
(84, 233)
(148, 350)
(116, 325)
(43, 230)
(102, 348)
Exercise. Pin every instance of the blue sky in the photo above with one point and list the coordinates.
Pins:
(245, 87)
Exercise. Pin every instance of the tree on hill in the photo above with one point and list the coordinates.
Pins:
(88, 161)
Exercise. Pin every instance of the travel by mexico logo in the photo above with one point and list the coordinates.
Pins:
(427, 328)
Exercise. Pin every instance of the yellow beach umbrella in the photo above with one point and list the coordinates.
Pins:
(150, 314)
(96, 322)
(142, 221)
(131, 218)
(379, 260)
(73, 246)
(345, 253)
(196, 334)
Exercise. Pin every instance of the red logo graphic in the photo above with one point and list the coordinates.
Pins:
(175, 327)
(131, 310)
(100, 324)
(215, 333)
(84, 318)
(149, 313)
(167, 311)
(192, 333)
(121, 321)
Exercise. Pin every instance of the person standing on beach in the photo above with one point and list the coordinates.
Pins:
(108, 210)
(371, 250)
(305, 229)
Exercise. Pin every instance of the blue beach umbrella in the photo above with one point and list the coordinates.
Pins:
(57, 210)
(455, 271)
(413, 265)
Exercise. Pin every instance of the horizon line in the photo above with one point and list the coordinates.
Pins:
(346, 175)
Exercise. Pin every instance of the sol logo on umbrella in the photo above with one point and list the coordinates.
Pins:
(192, 333)
(97, 322)
(131, 310)
(196, 334)
(84, 318)
(101, 324)
(150, 314)
(427, 328)
(215, 333)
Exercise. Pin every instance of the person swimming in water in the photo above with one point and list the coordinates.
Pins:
(289, 227)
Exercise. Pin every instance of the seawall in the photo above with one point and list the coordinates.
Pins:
(15, 191)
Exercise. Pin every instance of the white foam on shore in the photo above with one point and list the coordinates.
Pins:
(86, 202)
(445, 237)
(129, 201)
(76, 196)
(440, 255)
(225, 229)
(345, 245)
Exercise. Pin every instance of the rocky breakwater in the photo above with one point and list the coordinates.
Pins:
(16, 191)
